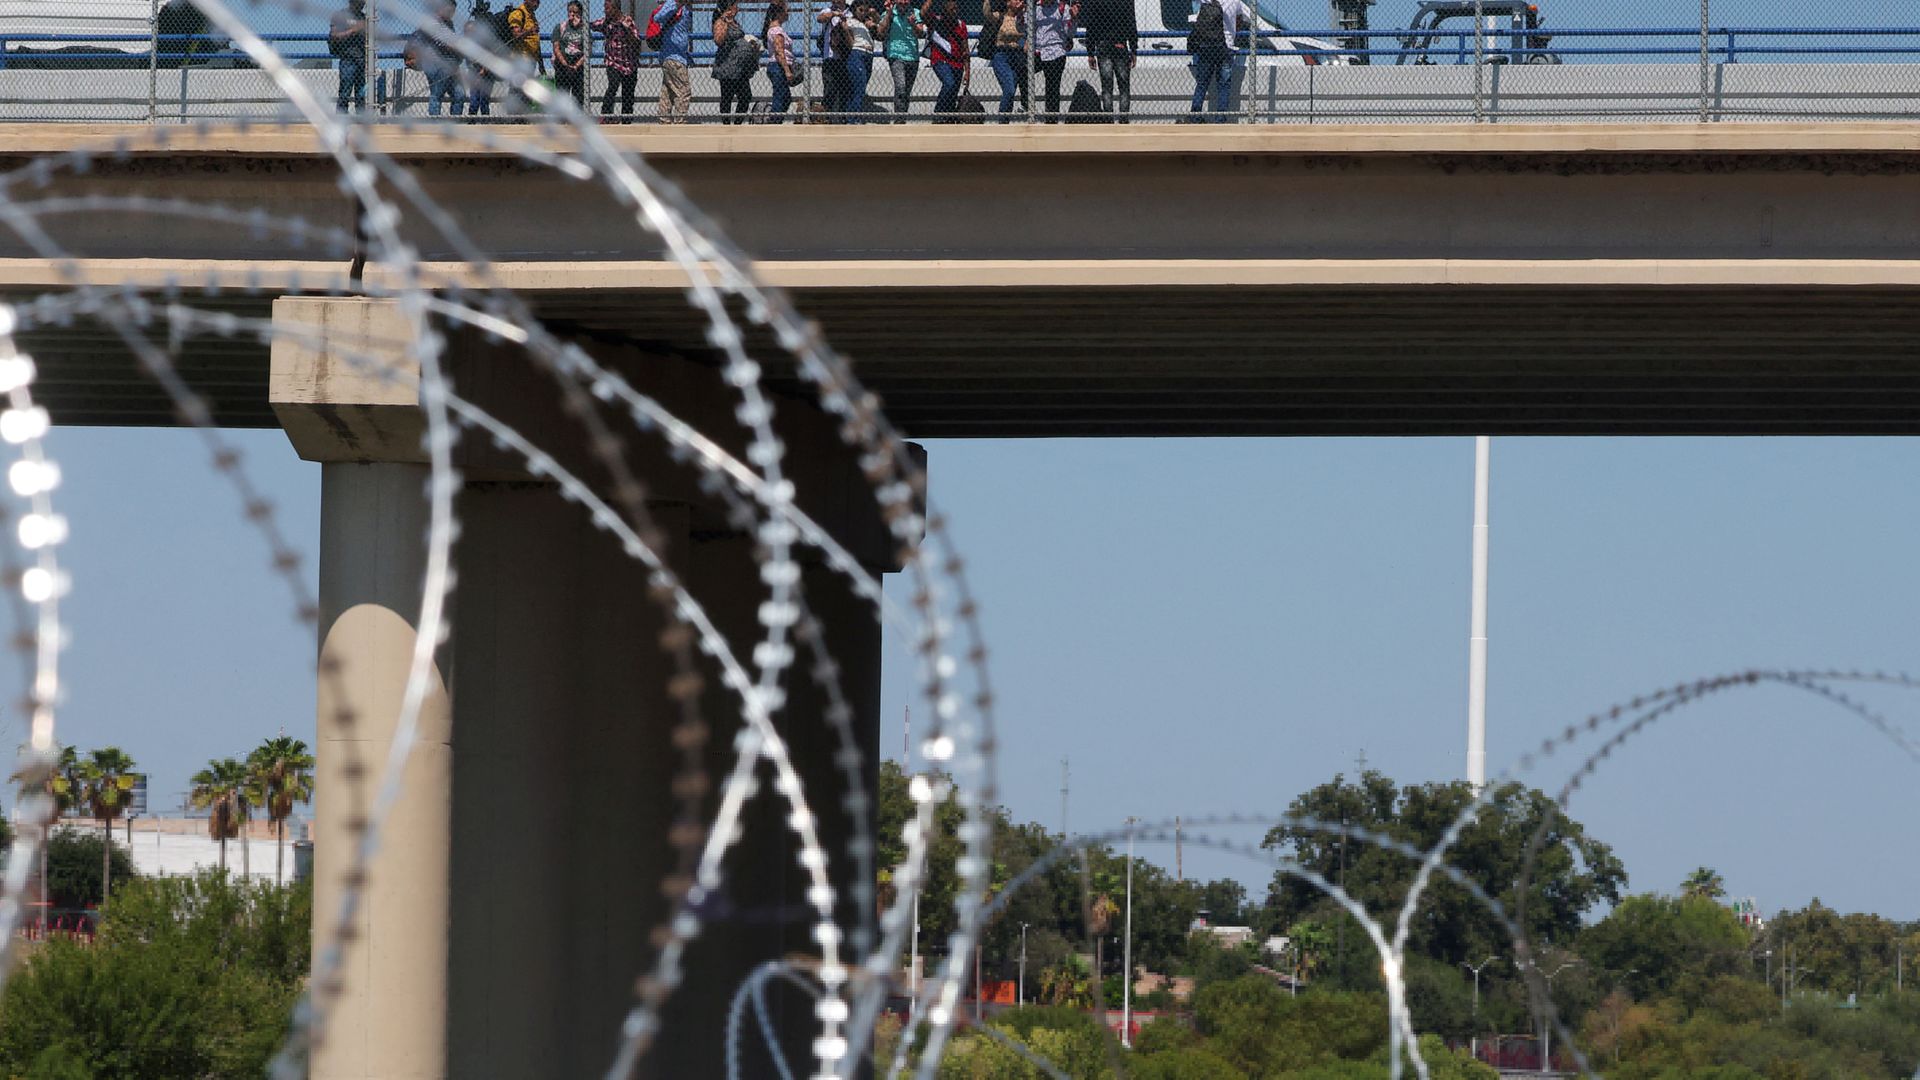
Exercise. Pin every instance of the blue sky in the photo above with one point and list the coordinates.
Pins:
(1214, 625)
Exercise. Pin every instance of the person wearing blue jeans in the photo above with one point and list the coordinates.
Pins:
(836, 42)
(860, 61)
(1210, 78)
(347, 41)
(947, 53)
(435, 58)
(1006, 34)
(780, 60)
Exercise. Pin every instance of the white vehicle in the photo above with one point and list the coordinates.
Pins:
(1164, 25)
(31, 27)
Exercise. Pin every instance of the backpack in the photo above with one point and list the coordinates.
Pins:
(500, 26)
(1209, 34)
(738, 59)
(657, 30)
(1084, 107)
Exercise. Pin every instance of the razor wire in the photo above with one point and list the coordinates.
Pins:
(848, 984)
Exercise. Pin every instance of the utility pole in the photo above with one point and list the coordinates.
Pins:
(1179, 872)
(1063, 799)
(977, 1014)
(1477, 633)
(1126, 954)
(1340, 948)
(1020, 995)
(906, 755)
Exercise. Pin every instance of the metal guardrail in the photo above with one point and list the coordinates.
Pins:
(1293, 76)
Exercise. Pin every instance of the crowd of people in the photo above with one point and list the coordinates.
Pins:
(848, 40)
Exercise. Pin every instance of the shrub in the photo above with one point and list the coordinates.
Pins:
(73, 867)
(1192, 1063)
(188, 978)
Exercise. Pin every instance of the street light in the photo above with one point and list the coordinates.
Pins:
(1022, 993)
(1476, 999)
(1546, 1027)
(1126, 975)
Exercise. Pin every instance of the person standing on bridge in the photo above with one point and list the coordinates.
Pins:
(1005, 35)
(1210, 49)
(862, 29)
(436, 58)
(523, 43)
(947, 50)
(836, 44)
(670, 30)
(622, 36)
(902, 28)
(477, 79)
(736, 57)
(1113, 44)
(782, 70)
(1052, 41)
(571, 47)
(347, 41)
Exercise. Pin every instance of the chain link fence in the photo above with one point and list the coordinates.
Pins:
(1018, 61)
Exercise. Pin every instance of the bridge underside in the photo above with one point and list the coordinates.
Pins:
(1206, 280)
(1103, 361)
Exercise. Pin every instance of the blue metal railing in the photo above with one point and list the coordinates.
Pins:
(1725, 44)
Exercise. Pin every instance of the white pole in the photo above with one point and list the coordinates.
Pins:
(1020, 996)
(1477, 641)
(906, 757)
(1126, 974)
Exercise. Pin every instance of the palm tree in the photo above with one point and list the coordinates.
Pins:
(219, 789)
(61, 784)
(282, 770)
(106, 787)
(1309, 941)
(1099, 921)
(1704, 882)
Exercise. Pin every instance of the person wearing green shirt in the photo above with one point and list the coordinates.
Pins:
(902, 29)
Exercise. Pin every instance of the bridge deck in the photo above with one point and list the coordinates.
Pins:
(1715, 279)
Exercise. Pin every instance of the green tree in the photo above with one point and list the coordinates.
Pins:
(220, 789)
(1225, 901)
(188, 978)
(1263, 1030)
(1309, 943)
(73, 862)
(282, 771)
(1838, 953)
(1670, 944)
(61, 784)
(106, 788)
(1704, 882)
(1572, 874)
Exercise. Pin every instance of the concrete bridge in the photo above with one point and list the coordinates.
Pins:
(1739, 279)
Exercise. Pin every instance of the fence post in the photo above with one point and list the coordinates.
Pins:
(368, 77)
(153, 61)
(1251, 84)
(806, 64)
(1479, 62)
(1706, 62)
(1033, 23)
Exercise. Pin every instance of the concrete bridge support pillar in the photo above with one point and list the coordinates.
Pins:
(511, 905)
